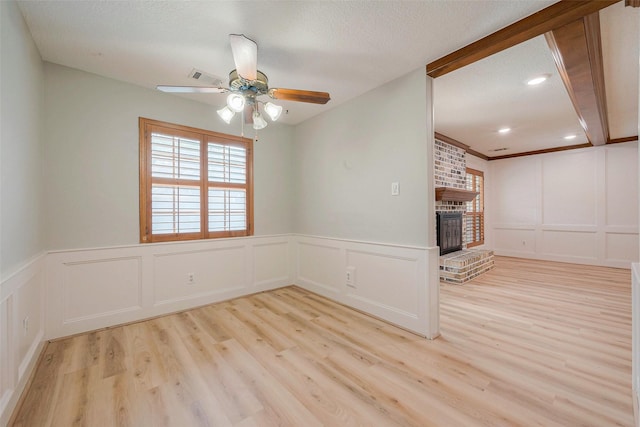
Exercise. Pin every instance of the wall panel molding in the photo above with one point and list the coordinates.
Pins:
(22, 296)
(588, 217)
(394, 283)
(143, 281)
(101, 288)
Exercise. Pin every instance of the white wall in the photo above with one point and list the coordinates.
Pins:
(347, 158)
(635, 307)
(21, 207)
(345, 216)
(91, 171)
(21, 171)
(635, 340)
(575, 206)
(85, 128)
(93, 288)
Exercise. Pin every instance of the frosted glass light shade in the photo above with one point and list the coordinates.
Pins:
(235, 102)
(258, 121)
(226, 114)
(273, 111)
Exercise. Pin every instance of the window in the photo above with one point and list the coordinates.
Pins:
(194, 184)
(474, 215)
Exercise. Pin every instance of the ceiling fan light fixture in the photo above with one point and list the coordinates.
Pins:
(226, 114)
(273, 111)
(258, 121)
(236, 102)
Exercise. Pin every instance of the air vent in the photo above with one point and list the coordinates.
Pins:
(500, 149)
(206, 78)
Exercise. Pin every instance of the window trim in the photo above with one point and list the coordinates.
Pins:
(473, 213)
(145, 127)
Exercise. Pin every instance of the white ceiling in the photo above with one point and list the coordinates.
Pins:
(472, 103)
(345, 48)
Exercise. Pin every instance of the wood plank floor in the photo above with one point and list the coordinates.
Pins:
(528, 344)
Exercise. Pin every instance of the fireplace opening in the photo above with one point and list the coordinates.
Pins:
(449, 231)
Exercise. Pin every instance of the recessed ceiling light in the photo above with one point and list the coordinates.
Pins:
(504, 130)
(537, 80)
(570, 137)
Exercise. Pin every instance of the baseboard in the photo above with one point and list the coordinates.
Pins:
(18, 394)
(91, 289)
(396, 283)
(22, 319)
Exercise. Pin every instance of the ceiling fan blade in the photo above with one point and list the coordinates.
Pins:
(300, 95)
(191, 89)
(245, 56)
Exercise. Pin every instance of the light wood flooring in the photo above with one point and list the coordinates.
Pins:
(527, 344)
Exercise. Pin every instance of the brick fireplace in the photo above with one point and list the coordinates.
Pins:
(457, 263)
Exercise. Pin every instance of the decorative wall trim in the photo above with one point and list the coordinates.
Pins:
(544, 151)
(635, 339)
(622, 140)
(580, 206)
(152, 279)
(465, 147)
(395, 283)
(21, 297)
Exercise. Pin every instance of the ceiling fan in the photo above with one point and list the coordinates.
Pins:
(246, 84)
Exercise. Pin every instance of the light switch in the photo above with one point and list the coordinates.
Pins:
(395, 188)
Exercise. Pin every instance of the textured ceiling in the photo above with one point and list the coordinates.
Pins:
(472, 103)
(348, 48)
(344, 47)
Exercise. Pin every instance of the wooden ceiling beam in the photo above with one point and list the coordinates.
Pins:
(548, 19)
(632, 3)
(577, 51)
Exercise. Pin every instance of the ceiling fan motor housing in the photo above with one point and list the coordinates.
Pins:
(249, 88)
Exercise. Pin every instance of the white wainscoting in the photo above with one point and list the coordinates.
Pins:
(578, 206)
(68, 292)
(21, 331)
(399, 284)
(96, 288)
(635, 340)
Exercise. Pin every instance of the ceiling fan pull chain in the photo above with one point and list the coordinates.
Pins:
(242, 128)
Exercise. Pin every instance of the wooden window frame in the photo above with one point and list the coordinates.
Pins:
(146, 180)
(473, 214)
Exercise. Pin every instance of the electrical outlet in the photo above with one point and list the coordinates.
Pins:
(395, 188)
(351, 277)
(191, 278)
(25, 325)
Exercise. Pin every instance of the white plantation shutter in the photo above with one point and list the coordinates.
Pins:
(474, 215)
(175, 157)
(194, 184)
(227, 170)
(175, 207)
(227, 209)
(227, 163)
